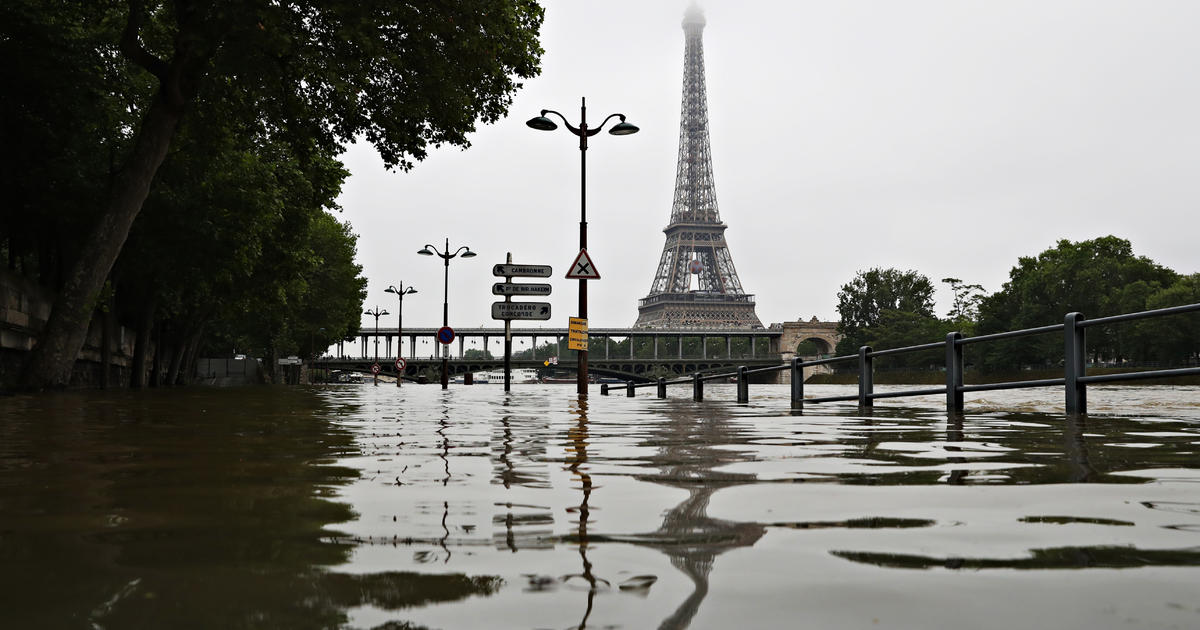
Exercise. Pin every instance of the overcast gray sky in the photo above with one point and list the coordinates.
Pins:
(945, 136)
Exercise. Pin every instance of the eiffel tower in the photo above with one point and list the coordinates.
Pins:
(696, 285)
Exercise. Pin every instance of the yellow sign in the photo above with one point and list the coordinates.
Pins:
(577, 334)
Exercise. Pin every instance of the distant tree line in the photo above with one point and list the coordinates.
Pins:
(890, 308)
(172, 166)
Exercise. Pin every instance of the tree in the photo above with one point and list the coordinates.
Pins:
(1173, 339)
(967, 298)
(400, 75)
(863, 302)
(1096, 277)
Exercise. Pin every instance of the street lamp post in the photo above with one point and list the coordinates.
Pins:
(376, 313)
(445, 255)
(400, 293)
(541, 123)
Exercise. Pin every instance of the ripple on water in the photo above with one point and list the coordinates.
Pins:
(416, 507)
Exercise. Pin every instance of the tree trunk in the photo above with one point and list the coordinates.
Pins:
(59, 342)
(137, 379)
(189, 358)
(177, 352)
(106, 341)
(160, 348)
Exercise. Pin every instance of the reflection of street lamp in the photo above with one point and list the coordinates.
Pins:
(541, 123)
(400, 293)
(430, 250)
(376, 313)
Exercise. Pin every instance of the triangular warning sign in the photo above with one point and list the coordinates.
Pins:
(582, 268)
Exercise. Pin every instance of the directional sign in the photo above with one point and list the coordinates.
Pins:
(526, 271)
(400, 363)
(445, 334)
(582, 268)
(575, 324)
(375, 369)
(508, 288)
(520, 310)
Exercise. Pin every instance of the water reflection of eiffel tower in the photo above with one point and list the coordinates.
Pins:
(691, 448)
(689, 537)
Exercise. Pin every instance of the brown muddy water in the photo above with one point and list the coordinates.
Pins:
(367, 507)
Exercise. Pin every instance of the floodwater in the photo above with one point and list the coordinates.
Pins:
(405, 508)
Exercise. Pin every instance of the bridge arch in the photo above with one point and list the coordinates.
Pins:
(800, 338)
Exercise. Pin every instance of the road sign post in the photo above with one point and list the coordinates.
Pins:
(509, 310)
(582, 269)
(400, 365)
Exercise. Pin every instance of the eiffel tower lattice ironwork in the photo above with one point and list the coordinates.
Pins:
(696, 284)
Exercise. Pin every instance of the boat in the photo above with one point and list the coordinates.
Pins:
(340, 376)
(523, 376)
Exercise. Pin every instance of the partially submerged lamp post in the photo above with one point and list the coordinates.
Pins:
(622, 128)
(465, 252)
(400, 293)
(374, 368)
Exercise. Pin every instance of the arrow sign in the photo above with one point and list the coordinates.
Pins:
(508, 288)
(526, 271)
(582, 268)
(520, 310)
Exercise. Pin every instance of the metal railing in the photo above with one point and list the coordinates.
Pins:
(1074, 381)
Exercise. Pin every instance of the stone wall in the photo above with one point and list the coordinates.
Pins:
(823, 333)
(24, 310)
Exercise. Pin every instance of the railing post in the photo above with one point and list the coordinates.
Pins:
(743, 385)
(662, 387)
(604, 389)
(797, 384)
(1073, 362)
(954, 373)
(866, 381)
(629, 389)
(697, 388)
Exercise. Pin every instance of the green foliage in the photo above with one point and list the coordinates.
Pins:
(807, 349)
(1174, 339)
(863, 302)
(965, 309)
(1097, 277)
(251, 100)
